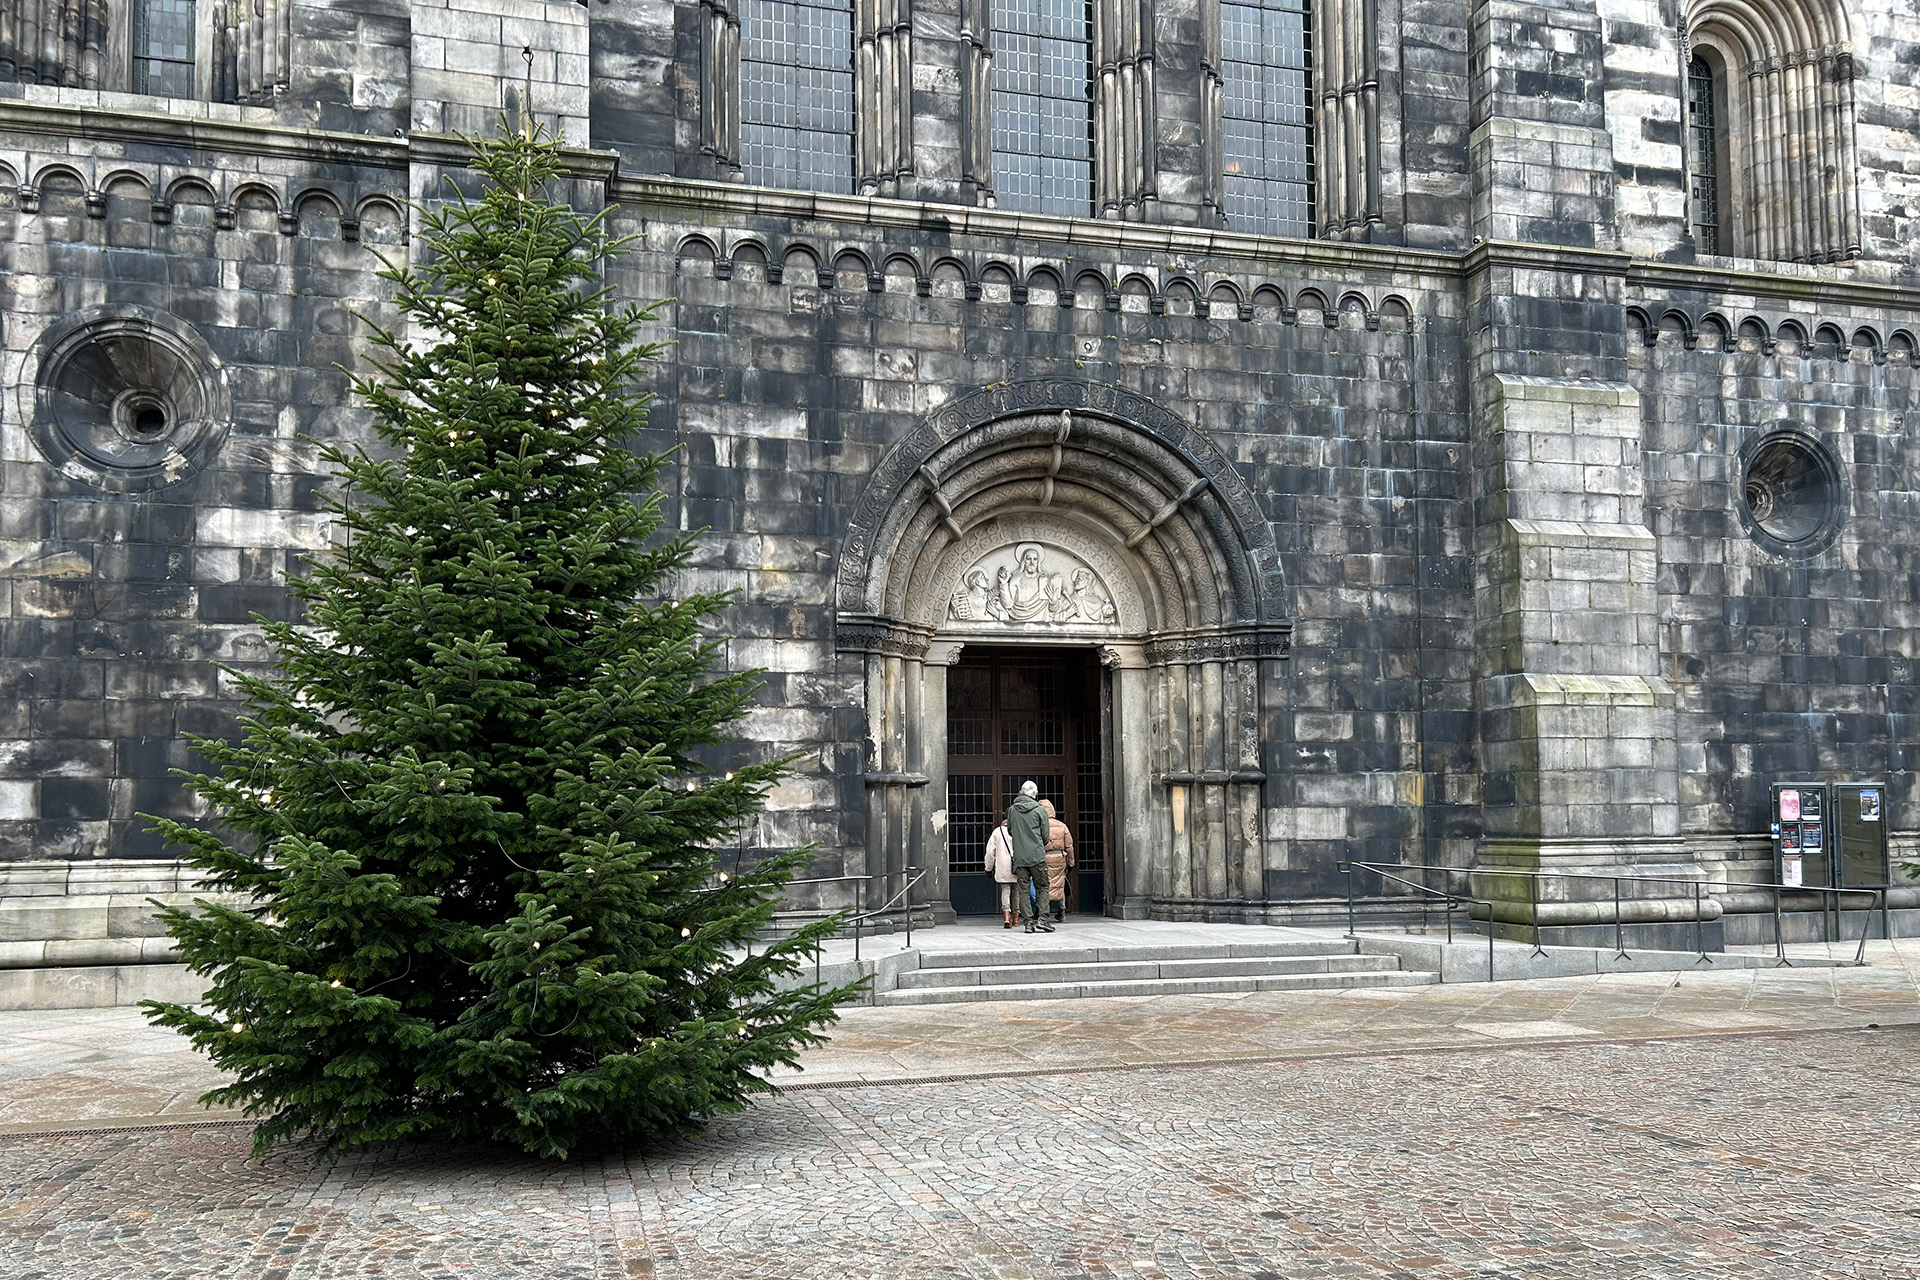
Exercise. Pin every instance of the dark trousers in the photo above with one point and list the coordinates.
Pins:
(1030, 886)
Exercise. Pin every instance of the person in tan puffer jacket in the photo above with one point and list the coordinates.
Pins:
(1059, 861)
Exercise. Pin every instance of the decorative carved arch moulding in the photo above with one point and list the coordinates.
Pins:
(1186, 468)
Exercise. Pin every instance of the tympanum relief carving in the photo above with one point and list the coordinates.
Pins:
(1032, 585)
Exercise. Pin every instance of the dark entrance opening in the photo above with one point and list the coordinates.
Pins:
(1015, 714)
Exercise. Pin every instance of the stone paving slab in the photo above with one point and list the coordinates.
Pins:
(1786, 1155)
(81, 1067)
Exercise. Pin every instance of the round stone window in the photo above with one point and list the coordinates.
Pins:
(1793, 500)
(128, 399)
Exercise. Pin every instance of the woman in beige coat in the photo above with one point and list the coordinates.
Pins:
(999, 860)
(1059, 861)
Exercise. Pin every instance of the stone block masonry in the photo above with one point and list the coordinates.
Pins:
(1438, 538)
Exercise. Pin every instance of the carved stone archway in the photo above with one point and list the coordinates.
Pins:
(1064, 513)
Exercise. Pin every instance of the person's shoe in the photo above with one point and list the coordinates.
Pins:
(1046, 926)
(1006, 919)
(1029, 926)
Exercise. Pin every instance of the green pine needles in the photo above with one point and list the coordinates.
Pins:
(474, 892)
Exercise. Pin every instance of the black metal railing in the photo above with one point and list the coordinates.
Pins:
(860, 914)
(1385, 871)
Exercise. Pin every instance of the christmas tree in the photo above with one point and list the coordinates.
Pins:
(466, 851)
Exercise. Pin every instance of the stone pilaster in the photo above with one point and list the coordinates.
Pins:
(1347, 119)
(1576, 719)
(720, 89)
(883, 78)
(972, 47)
(1123, 110)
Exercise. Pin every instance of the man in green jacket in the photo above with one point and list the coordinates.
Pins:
(1027, 832)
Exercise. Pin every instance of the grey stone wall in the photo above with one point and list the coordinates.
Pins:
(1498, 450)
(117, 602)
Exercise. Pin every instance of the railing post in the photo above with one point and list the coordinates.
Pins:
(1886, 919)
(908, 891)
(1866, 927)
(859, 915)
(1533, 883)
(1699, 927)
(1779, 939)
(1347, 868)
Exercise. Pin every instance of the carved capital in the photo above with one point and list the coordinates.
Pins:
(944, 653)
(870, 633)
(1235, 644)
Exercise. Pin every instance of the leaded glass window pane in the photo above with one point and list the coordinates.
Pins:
(1267, 116)
(163, 47)
(1042, 106)
(1704, 137)
(796, 91)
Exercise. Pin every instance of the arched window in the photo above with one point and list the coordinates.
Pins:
(163, 54)
(1706, 154)
(1042, 105)
(1266, 116)
(796, 94)
(1780, 108)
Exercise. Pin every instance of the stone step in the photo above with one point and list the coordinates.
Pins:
(1015, 969)
(1154, 987)
(1059, 951)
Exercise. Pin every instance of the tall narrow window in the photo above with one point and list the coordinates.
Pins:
(1043, 106)
(1703, 137)
(163, 47)
(796, 93)
(1266, 116)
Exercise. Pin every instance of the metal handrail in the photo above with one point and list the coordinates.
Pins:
(860, 913)
(1346, 869)
(1878, 896)
(862, 917)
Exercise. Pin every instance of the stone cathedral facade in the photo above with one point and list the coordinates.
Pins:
(1290, 430)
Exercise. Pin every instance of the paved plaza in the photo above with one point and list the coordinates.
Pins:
(1756, 1123)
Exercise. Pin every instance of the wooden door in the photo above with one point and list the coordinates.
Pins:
(1015, 715)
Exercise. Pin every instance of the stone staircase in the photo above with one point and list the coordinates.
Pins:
(1056, 970)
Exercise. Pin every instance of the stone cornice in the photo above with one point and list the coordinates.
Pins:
(1762, 283)
(1757, 281)
(725, 201)
(257, 137)
(1489, 254)
(230, 137)
(445, 149)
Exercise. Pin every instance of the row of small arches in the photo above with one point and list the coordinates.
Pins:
(997, 281)
(376, 218)
(1821, 340)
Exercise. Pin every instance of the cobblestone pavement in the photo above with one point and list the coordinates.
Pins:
(890, 1043)
(1779, 1155)
(69, 1068)
(1740, 1124)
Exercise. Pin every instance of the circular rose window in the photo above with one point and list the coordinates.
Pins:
(128, 399)
(1793, 499)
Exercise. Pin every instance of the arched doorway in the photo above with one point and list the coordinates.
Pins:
(1026, 714)
(1054, 516)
